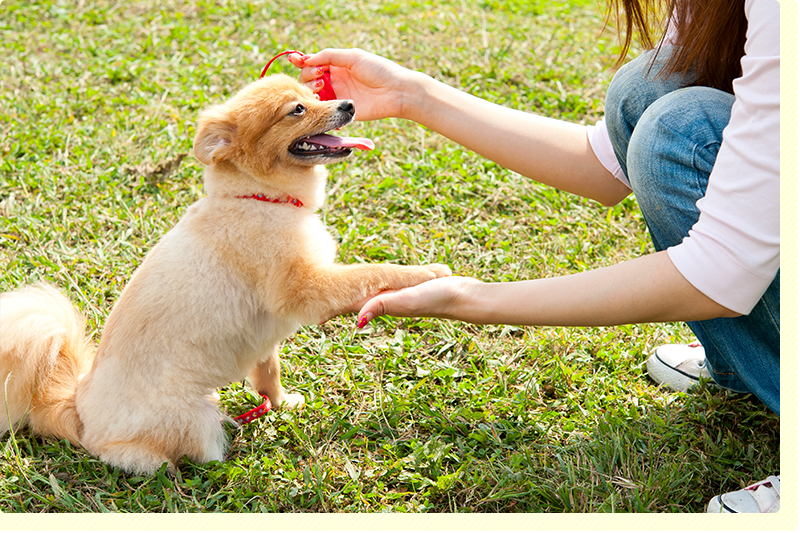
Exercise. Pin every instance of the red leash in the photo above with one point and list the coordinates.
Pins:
(326, 93)
(252, 414)
(286, 53)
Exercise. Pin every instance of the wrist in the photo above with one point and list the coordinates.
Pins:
(414, 95)
(466, 302)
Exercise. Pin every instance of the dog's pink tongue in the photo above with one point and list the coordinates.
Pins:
(331, 141)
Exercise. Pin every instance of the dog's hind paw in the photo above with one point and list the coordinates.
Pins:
(291, 401)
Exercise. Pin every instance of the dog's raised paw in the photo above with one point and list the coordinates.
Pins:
(440, 271)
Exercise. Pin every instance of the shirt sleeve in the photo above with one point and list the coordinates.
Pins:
(600, 142)
(732, 253)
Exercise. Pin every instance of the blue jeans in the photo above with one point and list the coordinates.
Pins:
(666, 139)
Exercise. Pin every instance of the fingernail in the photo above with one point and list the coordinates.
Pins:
(318, 84)
(305, 58)
(301, 59)
(363, 321)
(319, 71)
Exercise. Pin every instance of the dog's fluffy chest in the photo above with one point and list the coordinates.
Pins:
(247, 234)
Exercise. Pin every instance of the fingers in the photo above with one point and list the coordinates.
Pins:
(373, 308)
(325, 58)
(381, 305)
(337, 57)
(441, 297)
(314, 65)
(365, 319)
(311, 76)
(376, 306)
(297, 59)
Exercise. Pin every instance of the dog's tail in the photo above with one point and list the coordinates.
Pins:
(43, 352)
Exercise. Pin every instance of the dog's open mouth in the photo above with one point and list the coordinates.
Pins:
(328, 146)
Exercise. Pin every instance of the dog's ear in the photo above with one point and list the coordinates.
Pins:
(216, 135)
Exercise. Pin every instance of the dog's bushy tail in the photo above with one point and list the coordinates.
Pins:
(43, 352)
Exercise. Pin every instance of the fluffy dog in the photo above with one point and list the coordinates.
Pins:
(243, 269)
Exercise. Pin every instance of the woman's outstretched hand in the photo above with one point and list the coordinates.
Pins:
(441, 298)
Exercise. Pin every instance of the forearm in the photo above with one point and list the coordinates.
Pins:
(647, 289)
(550, 151)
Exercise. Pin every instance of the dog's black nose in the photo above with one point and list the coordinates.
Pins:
(348, 107)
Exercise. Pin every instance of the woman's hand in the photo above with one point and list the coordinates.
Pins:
(441, 297)
(377, 85)
(645, 289)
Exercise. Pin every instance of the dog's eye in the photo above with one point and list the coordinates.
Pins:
(298, 110)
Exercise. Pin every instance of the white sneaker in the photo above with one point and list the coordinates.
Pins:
(678, 366)
(762, 497)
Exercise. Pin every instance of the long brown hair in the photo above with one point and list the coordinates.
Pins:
(709, 40)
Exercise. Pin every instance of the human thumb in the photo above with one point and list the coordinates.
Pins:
(375, 307)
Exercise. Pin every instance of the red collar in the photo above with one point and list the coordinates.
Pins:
(285, 200)
(252, 414)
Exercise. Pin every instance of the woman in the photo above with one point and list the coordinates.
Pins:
(692, 129)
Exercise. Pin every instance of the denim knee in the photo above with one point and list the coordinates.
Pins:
(670, 155)
(634, 87)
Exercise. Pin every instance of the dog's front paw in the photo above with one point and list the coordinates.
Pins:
(439, 270)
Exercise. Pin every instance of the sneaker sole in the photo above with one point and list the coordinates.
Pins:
(668, 376)
(717, 506)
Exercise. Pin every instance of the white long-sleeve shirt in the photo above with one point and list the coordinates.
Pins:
(732, 253)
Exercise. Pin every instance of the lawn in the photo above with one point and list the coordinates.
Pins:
(407, 415)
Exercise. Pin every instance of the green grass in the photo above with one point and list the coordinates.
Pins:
(411, 414)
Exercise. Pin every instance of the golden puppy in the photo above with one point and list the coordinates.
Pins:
(242, 270)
